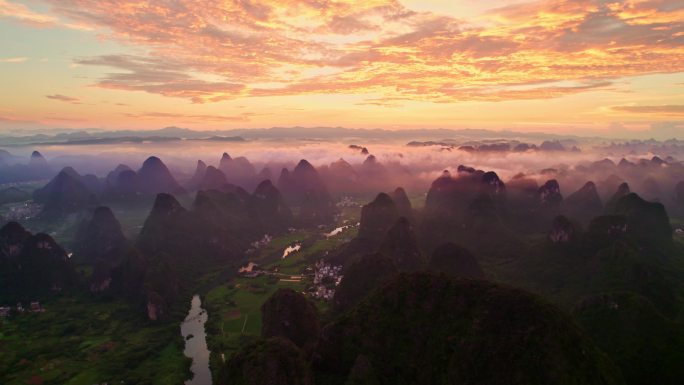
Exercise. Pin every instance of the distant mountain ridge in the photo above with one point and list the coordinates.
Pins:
(95, 136)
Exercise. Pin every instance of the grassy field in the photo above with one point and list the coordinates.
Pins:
(82, 341)
(132, 216)
(234, 306)
(418, 201)
(28, 187)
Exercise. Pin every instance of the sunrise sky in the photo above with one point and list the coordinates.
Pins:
(559, 66)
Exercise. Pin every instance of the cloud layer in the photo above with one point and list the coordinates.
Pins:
(208, 51)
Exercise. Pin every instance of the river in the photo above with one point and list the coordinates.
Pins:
(337, 230)
(291, 249)
(196, 345)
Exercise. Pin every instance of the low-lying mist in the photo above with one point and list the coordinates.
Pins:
(381, 165)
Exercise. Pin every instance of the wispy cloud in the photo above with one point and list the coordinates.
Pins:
(10, 121)
(25, 15)
(208, 51)
(20, 59)
(165, 77)
(389, 102)
(670, 109)
(242, 117)
(64, 98)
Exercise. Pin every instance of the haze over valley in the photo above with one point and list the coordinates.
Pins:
(261, 235)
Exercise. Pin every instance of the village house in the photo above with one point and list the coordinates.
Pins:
(253, 274)
(347, 202)
(36, 308)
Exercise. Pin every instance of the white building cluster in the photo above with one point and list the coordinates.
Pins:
(326, 278)
(24, 211)
(35, 307)
(256, 245)
(347, 201)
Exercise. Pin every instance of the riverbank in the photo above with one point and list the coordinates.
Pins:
(194, 334)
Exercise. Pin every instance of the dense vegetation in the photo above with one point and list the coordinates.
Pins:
(480, 281)
(80, 340)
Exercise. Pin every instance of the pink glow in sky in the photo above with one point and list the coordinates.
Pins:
(559, 66)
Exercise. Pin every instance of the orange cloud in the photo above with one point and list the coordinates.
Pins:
(208, 51)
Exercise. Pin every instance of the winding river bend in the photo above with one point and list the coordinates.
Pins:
(192, 330)
(291, 249)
